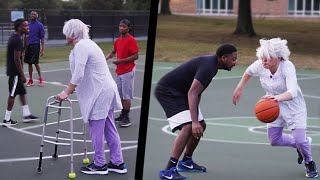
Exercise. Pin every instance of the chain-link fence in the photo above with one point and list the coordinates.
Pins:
(104, 24)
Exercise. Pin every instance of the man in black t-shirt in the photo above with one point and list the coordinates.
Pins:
(16, 74)
(179, 93)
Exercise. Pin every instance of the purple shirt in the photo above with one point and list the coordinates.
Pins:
(36, 32)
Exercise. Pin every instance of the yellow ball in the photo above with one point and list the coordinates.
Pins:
(72, 175)
(85, 161)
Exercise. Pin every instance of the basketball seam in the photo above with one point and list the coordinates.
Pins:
(267, 109)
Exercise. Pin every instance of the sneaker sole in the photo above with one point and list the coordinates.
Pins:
(164, 178)
(311, 177)
(118, 171)
(125, 125)
(188, 170)
(95, 172)
(29, 120)
(5, 125)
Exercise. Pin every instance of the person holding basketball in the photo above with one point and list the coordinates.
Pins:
(278, 78)
(179, 93)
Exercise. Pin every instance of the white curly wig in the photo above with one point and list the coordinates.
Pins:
(273, 48)
(76, 29)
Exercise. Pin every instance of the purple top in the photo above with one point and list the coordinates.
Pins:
(36, 32)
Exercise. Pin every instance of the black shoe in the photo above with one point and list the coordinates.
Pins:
(93, 169)
(300, 157)
(119, 119)
(311, 170)
(30, 118)
(9, 123)
(121, 169)
(125, 122)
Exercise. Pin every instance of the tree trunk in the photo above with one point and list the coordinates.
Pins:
(244, 24)
(165, 7)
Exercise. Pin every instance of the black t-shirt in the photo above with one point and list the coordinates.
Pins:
(179, 80)
(14, 44)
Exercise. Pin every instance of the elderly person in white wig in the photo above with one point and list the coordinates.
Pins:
(97, 95)
(279, 80)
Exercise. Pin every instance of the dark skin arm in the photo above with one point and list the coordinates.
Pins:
(110, 55)
(194, 100)
(126, 60)
(17, 61)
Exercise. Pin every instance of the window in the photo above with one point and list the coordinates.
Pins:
(304, 7)
(218, 7)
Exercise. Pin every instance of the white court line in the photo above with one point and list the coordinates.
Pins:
(50, 157)
(67, 120)
(310, 96)
(53, 137)
(253, 130)
(166, 130)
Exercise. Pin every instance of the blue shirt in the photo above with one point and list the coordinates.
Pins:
(36, 32)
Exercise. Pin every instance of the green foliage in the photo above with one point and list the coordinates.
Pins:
(137, 5)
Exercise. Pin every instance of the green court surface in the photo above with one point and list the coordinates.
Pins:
(235, 144)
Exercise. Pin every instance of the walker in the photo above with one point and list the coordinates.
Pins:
(52, 103)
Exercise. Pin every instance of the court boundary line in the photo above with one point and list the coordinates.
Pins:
(65, 139)
(166, 130)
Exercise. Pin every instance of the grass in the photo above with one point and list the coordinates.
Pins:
(181, 37)
(55, 54)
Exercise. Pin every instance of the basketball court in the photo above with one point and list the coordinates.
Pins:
(235, 144)
(20, 144)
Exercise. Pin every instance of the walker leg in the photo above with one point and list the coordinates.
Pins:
(55, 156)
(86, 159)
(39, 170)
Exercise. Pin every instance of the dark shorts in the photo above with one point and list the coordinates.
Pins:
(16, 87)
(32, 54)
(172, 102)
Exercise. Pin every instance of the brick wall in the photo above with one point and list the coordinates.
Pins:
(266, 7)
(183, 6)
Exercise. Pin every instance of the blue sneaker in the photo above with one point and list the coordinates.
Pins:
(311, 170)
(121, 169)
(190, 166)
(171, 174)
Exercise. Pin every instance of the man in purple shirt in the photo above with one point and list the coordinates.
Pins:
(33, 50)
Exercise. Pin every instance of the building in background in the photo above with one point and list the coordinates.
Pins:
(260, 8)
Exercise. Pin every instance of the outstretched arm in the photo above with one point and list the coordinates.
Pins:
(238, 91)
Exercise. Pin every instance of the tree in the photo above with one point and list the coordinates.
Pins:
(137, 5)
(165, 7)
(244, 24)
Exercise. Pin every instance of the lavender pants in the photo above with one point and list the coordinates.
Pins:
(105, 129)
(297, 139)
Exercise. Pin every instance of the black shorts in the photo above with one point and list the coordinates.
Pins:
(16, 86)
(171, 101)
(32, 54)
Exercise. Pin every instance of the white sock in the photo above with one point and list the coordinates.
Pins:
(7, 117)
(25, 111)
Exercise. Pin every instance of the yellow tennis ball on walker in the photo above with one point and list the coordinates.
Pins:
(72, 175)
(85, 161)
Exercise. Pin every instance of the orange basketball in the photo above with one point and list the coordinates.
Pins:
(267, 110)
